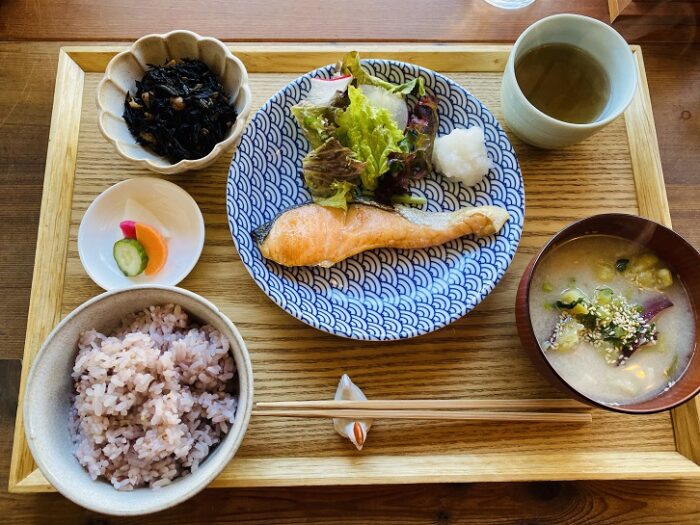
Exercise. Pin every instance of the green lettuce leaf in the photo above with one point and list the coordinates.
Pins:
(317, 122)
(343, 193)
(331, 173)
(414, 161)
(350, 65)
(416, 86)
(422, 127)
(370, 133)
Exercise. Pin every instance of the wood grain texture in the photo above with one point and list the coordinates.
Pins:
(659, 20)
(646, 161)
(615, 7)
(490, 467)
(673, 72)
(610, 502)
(687, 429)
(444, 404)
(286, 58)
(430, 415)
(25, 115)
(544, 503)
(293, 361)
(280, 20)
(47, 282)
(10, 372)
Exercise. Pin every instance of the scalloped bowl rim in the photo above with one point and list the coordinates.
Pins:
(184, 164)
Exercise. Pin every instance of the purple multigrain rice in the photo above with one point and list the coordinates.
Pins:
(152, 400)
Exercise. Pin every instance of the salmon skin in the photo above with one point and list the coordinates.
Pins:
(314, 235)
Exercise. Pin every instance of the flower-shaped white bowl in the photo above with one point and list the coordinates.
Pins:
(129, 66)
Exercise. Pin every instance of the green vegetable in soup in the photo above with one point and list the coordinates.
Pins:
(569, 298)
(612, 325)
(643, 262)
(646, 279)
(646, 271)
(660, 345)
(664, 278)
(603, 295)
(672, 369)
(580, 309)
(547, 287)
(621, 265)
(607, 351)
(604, 271)
(566, 335)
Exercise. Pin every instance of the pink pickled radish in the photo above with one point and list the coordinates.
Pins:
(128, 229)
(323, 90)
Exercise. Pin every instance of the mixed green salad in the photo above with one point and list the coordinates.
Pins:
(365, 142)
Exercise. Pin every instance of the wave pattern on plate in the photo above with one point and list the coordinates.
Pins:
(381, 294)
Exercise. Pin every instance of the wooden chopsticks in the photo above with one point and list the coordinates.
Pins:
(553, 410)
(464, 415)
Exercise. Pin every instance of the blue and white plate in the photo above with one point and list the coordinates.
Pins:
(383, 294)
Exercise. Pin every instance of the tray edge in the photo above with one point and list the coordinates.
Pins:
(75, 61)
(653, 204)
(52, 239)
(472, 468)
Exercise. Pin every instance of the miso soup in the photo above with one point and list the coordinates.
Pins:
(612, 319)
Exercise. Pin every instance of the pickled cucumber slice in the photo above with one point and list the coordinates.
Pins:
(130, 256)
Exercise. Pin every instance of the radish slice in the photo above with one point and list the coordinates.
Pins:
(128, 229)
(137, 212)
(323, 90)
(335, 77)
(392, 102)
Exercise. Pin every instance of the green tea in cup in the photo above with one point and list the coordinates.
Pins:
(567, 77)
(563, 81)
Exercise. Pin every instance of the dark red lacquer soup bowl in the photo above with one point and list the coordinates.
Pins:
(680, 257)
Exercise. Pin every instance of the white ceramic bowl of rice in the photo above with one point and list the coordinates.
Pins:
(143, 419)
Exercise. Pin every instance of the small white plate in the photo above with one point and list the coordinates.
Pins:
(171, 206)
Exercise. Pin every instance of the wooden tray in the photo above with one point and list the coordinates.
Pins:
(477, 356)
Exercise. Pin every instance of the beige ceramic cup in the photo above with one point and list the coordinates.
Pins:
(604, 44)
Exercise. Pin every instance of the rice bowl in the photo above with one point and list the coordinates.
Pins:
(189, 462)
(151, 400)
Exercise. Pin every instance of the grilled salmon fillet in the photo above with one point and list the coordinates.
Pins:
(314, 235)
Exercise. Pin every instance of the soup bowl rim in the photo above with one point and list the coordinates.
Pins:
(531, 344)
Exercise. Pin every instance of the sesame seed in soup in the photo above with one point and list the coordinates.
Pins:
(612, 319)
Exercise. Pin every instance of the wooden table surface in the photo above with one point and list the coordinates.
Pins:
(31, 34)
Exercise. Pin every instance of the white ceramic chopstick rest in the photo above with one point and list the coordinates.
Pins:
(355, 430)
